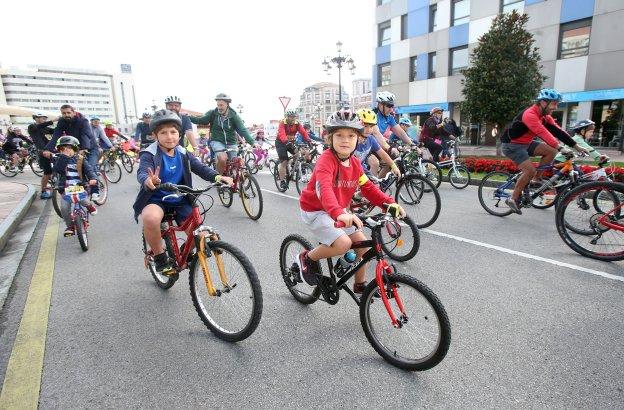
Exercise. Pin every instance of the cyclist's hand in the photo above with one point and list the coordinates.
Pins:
(604, 158)
(349, 220)
(152, 179)
(396, 211)
(92, 182)
(395, 170)
(46, 154)
(226, 180)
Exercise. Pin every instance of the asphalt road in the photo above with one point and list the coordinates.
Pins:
(525, 332)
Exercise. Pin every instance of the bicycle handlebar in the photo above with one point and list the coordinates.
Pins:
(169, 187)
(370, 221)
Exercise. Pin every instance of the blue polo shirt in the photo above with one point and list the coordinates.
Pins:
(171, 170)
(364, 149)
(384, 121)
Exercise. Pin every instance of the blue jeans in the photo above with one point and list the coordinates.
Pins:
(232, 149)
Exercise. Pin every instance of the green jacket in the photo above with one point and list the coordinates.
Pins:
(581, 141)
(222, 129)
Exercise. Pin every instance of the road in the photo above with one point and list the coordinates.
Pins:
(527, 331)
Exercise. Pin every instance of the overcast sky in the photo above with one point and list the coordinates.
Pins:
(253, 50)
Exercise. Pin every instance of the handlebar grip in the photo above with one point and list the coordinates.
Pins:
(167, 187)
(339, 224)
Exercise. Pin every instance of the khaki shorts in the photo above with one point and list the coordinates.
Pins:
(322, 227)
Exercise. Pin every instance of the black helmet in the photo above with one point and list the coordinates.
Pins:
(582, 124)
(164, 116)
(68, 140)
(344, 119)
(223, 97)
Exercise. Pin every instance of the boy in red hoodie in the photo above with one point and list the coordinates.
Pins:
(325, 200)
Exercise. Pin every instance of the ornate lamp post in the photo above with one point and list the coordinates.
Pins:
(339, 61)
(239, 108)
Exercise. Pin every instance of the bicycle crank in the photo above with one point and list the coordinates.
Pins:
(329, 290)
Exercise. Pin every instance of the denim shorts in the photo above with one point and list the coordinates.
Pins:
(182, 210)
(217, 146)
(519, 153)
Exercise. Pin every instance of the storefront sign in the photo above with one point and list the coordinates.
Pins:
(594, 95)
(410, 109)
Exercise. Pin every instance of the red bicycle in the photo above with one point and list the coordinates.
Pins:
(230, 307)
(409, 328)
(245, 185)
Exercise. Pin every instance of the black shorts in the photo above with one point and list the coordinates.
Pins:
(283, 150)
(45, 165)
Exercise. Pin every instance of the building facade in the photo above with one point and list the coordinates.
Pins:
(317, 102)
(423, 44)
(90, 92)
(362, 94)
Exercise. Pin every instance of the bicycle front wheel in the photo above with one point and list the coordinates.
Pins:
(234, 312)
(251, 196)
(35, 167)
(590, 220)
(276, 177)
(400, 239)
(493, 190)
(127, 163)
(56, 202)
(225, 196)
(431, 171)
(420, 199)
(7, 169)
(112, 171)
(81, 232)
(103, 189)
(422, 339)
(459, 176)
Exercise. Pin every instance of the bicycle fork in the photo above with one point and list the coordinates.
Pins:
(381, 271)
(201, 254)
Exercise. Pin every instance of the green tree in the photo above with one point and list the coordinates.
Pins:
(504, 74)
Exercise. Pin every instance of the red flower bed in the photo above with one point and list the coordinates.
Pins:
(476, 164)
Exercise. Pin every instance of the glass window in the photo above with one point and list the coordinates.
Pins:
(380, 2)
(460, 13)
(433, 17)
(459, 59)
(413, 68)
(384, 74)
(507, 6)
(574, 39)
(432, 65)
(403, 26)
(384, 34)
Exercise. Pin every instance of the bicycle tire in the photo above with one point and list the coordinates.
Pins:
(56, 198)
(496, 196)
(289, 274)
(225, 196)
(162, 281)
(81, 231)
(276, 178)
(391, 246)
(5, 167)
(127, 163)
(456, 178)
(256, 293)
(103, 190)
(303, 177)
(581, 243)
(412, 191)
(390, 355)
(251, 165)
(35, 167)
(112, 171)
(251, 190)
(433, 172)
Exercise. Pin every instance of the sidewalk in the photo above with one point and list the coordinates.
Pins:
(15, 202)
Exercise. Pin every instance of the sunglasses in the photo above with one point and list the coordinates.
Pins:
(389, 105)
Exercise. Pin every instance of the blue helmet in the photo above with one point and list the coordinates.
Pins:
(405, 121)
(549, 94)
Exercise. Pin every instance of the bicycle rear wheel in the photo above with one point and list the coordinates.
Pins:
(400, 239)
(251, 196)
(459, 176)
(493, 190)
(6, 168)
(291, 247)
(276, 178)
(103, 190)
(127, 163)
(234, 312)
(420, 199)
(56, 202)
(112, 171)
(225, 196)
(35, 167)
(251, 165)
(303, 177)
(424, 335)
(432, 172)
(590, 220)
(81, 223)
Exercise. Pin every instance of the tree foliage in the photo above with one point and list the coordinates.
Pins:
(504, 74)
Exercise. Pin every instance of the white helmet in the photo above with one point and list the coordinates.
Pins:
(291, 112)
(385, 97)
(173, 99)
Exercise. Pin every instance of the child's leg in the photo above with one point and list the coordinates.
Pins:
(152, 215)
(339, 247)
(360, 275)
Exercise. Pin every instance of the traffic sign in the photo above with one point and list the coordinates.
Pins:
(284, 101)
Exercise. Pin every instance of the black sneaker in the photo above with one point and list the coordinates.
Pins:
(307, 269)
(513, 205)
(284, 185)
(163, 264)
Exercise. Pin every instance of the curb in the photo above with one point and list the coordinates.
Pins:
(8, 226)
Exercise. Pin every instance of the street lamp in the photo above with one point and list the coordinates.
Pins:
(319, 108)
(339, 61)
(239, 107)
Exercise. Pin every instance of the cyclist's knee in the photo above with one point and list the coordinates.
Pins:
(342, 244)
(152, 216)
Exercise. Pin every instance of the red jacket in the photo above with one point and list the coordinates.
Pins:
(290, 130)
(110, 132)
(530, 123)
(332, 186)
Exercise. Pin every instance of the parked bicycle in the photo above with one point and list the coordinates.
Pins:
(230, 306)
(409, 328)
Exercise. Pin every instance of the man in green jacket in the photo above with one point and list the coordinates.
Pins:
(224, 123)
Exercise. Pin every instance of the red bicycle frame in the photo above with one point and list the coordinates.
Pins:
(192, 222)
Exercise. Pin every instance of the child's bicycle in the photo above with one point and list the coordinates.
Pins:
(402, 318)
(79, 214)
(258, 160)
(230, 307)
(458, 174)
(247, 187)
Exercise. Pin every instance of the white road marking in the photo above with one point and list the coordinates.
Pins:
(502, 249)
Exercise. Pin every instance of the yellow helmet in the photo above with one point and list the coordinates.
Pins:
(367, 116)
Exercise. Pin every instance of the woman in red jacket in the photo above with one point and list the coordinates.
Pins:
(325, 200)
